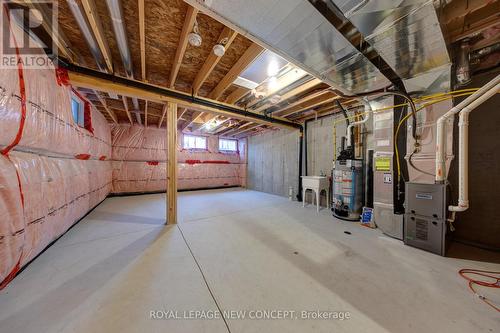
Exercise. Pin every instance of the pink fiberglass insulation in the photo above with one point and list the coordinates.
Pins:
(137, 143)
(129, 176)
(192, 176)
(57, 193)
(52, 171)
(12, 222)
(49, 124)
(139, 156)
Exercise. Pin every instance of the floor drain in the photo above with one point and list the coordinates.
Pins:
(347, 232)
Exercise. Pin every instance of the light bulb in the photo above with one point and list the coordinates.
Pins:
(219, 50)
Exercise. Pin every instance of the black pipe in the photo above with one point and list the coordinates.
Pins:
(305, 135)
(344, 112)
(305, 148)
(301, 143)
(172, 93)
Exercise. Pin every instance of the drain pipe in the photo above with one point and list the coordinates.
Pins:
(441, 130)
(368, 112)
(301, 147)
(463, 152)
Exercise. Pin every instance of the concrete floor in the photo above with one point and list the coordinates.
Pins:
(257, 252)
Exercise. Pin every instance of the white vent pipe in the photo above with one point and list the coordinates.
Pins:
(441, 130)
(463, 150)
(368, 112)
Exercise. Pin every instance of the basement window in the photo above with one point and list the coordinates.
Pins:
(228, 145)
(77, 110)
(194, 142)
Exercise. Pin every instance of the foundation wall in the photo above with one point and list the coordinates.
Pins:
(273, 162)
(140, 155)
(52, 171)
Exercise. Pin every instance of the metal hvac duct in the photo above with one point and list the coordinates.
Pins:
(408, 37)
(87, 34)
(116, 13)
(406, 34)
(295, 30)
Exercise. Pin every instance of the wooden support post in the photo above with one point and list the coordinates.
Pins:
(172, 163)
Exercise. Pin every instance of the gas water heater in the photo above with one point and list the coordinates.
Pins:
(348, 189)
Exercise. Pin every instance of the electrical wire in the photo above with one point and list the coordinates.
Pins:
(430, 99)
(488, 274)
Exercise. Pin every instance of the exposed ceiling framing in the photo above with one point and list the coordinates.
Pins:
(98, 31)
(125, 106)
(465, 18)
(154, 28)
(183, 42)
(88, 79)
(246, 59)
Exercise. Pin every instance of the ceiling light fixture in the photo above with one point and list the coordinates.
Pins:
(273, 68)
(194, 38)
(219, 48)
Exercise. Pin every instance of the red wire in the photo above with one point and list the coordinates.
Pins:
(488, 274)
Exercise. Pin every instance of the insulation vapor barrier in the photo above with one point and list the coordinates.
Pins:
(140, 155)
(52, 171)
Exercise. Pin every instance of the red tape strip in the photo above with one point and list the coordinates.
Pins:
(11, 275)
(82, 157)
(206, 162)
(62, 77)
(6, 150)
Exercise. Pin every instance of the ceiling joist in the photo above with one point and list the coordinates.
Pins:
(96, 26)
(314, 104)
(164, 112)
(292, 93)
(142, 38)
(125, 105)
(243, 62)
(90, 79)
(227, 35)
(183, 40)
(251, 128)
(236, 95)
(105, 106)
